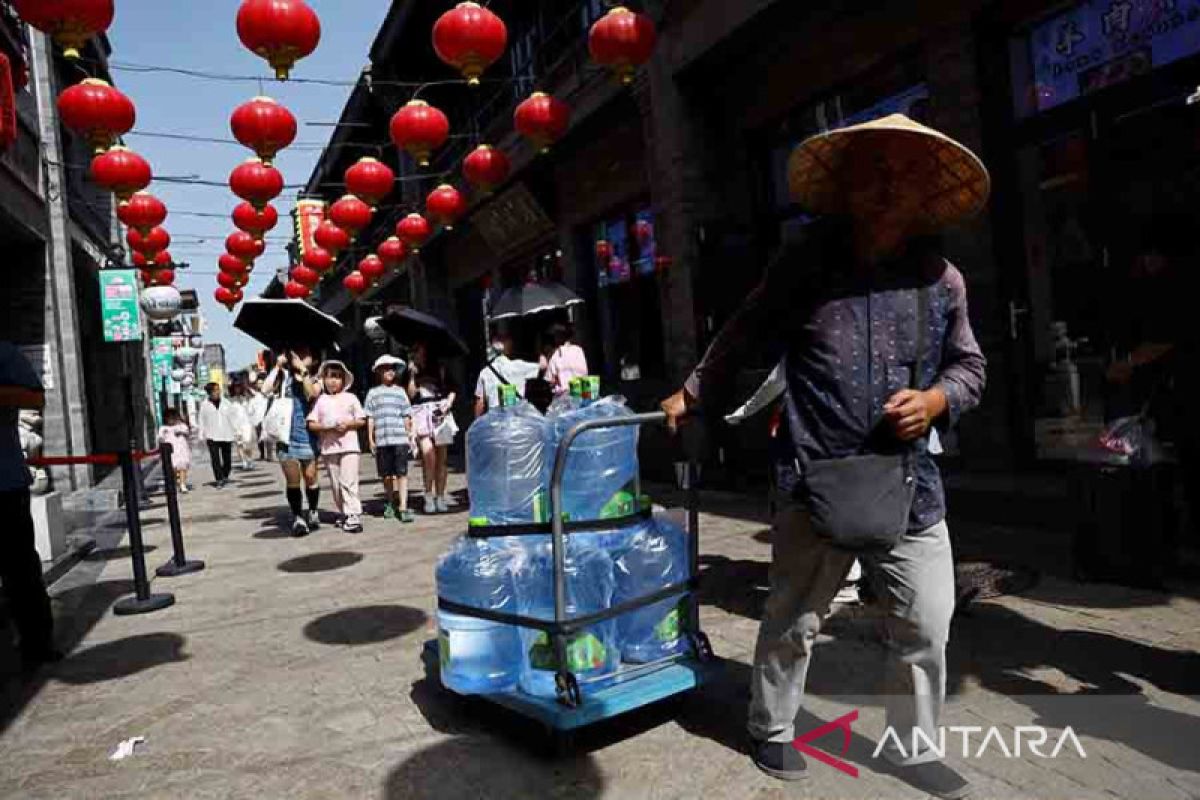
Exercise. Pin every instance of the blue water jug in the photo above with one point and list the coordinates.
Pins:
(592, 653)
(653, 558)
(506, 464)
(602, 465)
(479, 656)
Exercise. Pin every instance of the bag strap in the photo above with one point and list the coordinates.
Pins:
(503, 380)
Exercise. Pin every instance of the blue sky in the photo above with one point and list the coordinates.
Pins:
(201, 35)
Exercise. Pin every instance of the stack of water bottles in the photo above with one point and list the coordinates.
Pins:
(510, 457)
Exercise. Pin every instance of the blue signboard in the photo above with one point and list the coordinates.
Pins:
(1100, 43)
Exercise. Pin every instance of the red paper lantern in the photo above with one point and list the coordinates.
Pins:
(142, 212)
(445, 205)
(332, 238)
(355, 283)
(253, 221)
(256, 183)
(265, 126)
(151, 244)
(231, 281)
(392, 251)
(97, 112)
(486, 167)
(244, 246)
(281, 31)
(350, 214)
(644, 231)
(160, 277)
(470, 38)
(305, 275)
(228, 297)
(370, 180)
(542, 119)
(414, 231)
(418, 128)
(604, 251)
(139, 260)
(163, 260)
(122, 172)
(622, 40)
(318, 259)
(372, 268)
(70, 22)
(232, 264)
(296, 290)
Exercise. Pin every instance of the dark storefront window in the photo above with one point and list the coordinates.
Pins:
(629, 314)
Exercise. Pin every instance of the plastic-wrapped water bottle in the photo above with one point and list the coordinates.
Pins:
(593, 652)
(655, 557)
(507, 463)
(479, 656)
(602, 465)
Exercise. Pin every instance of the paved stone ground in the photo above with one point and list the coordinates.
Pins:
(290, 668)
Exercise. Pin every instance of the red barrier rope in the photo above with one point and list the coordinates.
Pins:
(103, 458)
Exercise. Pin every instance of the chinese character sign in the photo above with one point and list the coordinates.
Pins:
(119, 310)
(1100, 43)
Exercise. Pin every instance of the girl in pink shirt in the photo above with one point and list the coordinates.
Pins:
(567, 362)
(336, 417)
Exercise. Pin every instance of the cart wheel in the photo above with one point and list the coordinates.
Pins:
(701, 645)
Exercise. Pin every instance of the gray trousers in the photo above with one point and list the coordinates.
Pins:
(915, 581)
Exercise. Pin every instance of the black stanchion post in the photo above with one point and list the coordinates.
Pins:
(178, 565)
(143, 602)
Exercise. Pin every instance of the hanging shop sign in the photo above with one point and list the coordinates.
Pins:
(162, 357)
(309, 216)
(1100, 43)
(512, 221)
(120, 313)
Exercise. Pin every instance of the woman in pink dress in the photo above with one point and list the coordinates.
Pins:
(567, 362)
(176, 433)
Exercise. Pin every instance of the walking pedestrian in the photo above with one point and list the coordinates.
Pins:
(499, 370)
(389, 428)
(296, 388)
(243, 427)
(177, 433)
(873, 327)
(337, 416)
(434, 427)
(20, 565)
(218, 429)
(568, 361)
(257, 409)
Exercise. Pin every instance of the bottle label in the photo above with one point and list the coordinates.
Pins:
(622, 504)
(584, 652)
(670, 627)
(444, 648)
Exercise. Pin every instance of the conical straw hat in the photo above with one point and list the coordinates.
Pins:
(956, 186)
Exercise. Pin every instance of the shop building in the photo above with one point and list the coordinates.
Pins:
(56, 231)
(666, 199)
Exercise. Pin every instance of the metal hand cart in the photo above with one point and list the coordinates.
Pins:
(633, 685)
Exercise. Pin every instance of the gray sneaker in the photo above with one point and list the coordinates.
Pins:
(314, 520)
(352, 525)
(299, 527)
(779, 760)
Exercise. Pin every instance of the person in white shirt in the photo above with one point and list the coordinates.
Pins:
(257, 409)
(499, 370)
(218, 430)
(243, 427)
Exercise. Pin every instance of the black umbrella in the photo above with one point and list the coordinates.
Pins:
(280, 324)
(534, 298)
(410, 326)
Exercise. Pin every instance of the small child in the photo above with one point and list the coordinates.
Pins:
(337, 416)
(389, 426)
(176, 433)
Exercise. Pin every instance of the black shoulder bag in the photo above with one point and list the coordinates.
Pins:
(862, 503)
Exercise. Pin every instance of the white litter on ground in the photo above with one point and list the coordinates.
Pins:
(125, 749)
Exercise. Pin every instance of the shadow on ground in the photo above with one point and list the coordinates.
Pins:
(121, 658)
(365, 625)
(261, 495)
(116, 554)
(320, 562)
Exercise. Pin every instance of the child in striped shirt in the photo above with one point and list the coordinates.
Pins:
(389, 423)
